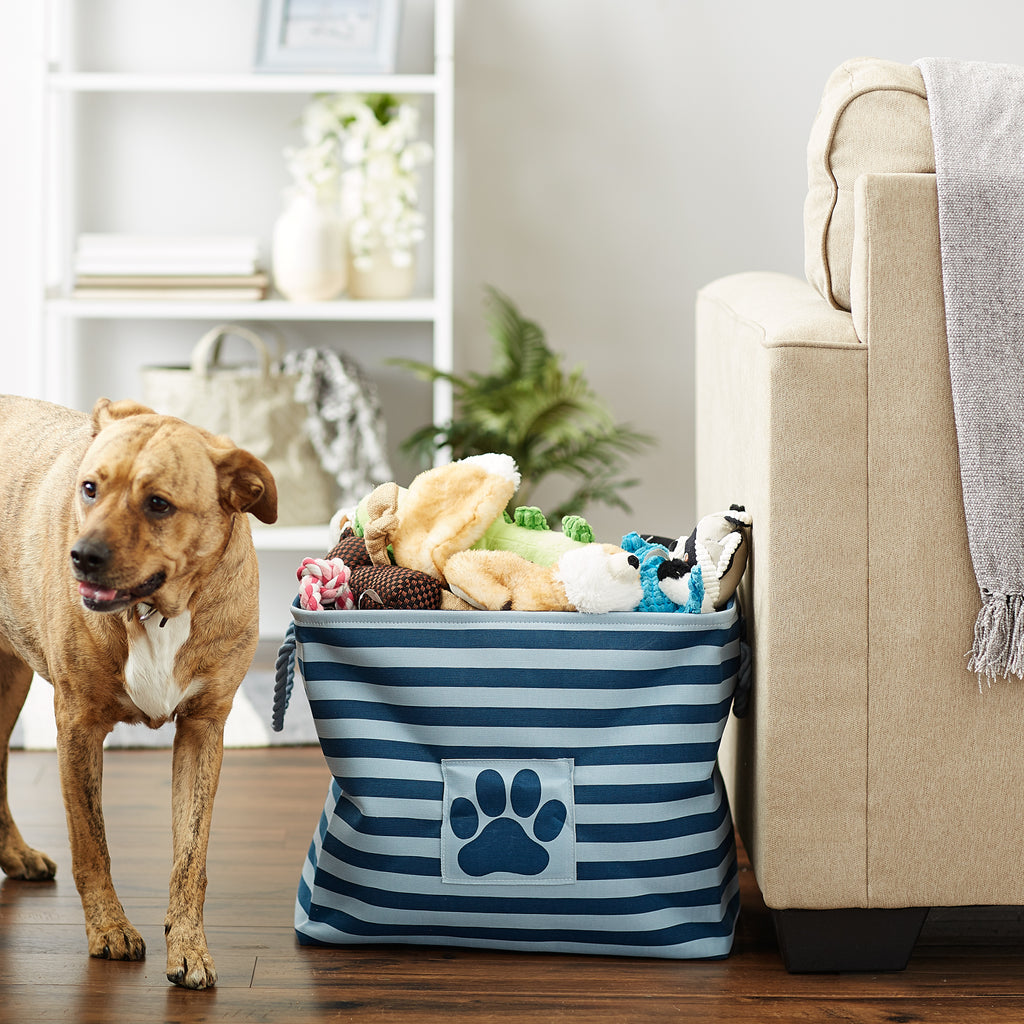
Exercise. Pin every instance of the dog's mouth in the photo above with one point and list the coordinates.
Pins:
(105, 599)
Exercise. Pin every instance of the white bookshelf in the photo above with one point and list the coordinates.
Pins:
(411, 310)
(98, 81)
(99, 88)
(300, 540)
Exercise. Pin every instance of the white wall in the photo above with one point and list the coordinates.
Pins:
(613, 156)
(20, 49)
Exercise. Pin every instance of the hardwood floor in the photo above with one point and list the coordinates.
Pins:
(965, 969)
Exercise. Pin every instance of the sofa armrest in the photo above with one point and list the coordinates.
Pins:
(781, 382)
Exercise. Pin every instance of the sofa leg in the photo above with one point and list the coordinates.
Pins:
(847, 940)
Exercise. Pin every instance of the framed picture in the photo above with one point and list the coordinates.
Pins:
(339, 36)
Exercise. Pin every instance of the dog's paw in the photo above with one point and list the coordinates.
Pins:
(117, 941)
(20, 861)
(193, 969)
(189, 963)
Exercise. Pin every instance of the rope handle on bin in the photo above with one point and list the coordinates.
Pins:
(745, 672)
(284, 677)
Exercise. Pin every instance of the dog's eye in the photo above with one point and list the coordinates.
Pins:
(158, 506)
(89, 490)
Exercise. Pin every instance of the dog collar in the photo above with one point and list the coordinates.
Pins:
(147, 611)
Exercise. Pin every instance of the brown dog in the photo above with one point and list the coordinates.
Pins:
(128, 579)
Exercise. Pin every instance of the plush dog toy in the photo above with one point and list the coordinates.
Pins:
(653, 554)
(719, 545)
(444, 510)
(590, 578)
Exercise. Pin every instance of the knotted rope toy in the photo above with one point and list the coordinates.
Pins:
(324, 583)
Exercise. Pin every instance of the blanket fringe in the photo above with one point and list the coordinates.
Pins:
(999, 637)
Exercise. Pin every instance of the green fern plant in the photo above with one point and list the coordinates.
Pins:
(550, 421)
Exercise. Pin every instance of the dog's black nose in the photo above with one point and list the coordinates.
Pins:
(90, 555)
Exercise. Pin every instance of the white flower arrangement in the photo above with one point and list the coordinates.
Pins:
(363, 151)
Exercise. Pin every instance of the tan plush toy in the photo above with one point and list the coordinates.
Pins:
(590, 578)
(444, 510)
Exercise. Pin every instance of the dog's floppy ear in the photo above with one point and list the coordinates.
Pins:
(104, 412)
(246, 485)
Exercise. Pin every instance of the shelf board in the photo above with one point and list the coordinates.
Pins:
(410, 310)
(122, 81)
(306, 540)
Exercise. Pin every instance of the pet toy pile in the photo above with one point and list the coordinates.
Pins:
(447, 542)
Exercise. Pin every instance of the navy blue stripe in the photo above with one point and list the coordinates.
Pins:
(642, 793)
(448, 637)
(305, 894)
(643, 753)
(523, 717)
(399, 789)
(407, 828)
(652, 831)
(679, 934)
(564, 677)
(645, 793)
(613, 906)
(430, 867)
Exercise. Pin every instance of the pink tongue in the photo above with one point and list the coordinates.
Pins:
(96, 593)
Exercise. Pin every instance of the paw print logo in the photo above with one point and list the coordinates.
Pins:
(507, 828)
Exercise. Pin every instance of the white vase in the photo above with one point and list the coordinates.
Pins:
(382, 279)
(308, 250)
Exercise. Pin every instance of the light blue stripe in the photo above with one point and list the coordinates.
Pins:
(425, 773)
(494, 658)
(534, 736)
(527, 696)
(586, 813)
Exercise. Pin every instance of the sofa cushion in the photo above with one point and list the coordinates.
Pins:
(873, 117)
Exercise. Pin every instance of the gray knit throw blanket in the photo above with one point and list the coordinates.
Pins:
(977, 117)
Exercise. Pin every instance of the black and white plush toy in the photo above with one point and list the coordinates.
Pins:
(719, 545)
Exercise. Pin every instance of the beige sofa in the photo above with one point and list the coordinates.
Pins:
(873, 777)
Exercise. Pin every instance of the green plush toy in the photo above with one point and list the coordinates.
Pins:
(527, 533)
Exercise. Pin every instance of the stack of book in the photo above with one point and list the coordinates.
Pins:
(161, 267)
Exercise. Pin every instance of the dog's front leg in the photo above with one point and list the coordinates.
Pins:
(198, 752)
(80, 756)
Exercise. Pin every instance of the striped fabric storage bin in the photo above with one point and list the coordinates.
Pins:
(531, 781)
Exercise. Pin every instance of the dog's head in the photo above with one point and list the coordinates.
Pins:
(156, 503)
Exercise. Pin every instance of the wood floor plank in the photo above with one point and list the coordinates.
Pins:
(753, 975)
(27, 1005)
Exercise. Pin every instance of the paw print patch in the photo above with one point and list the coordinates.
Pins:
(508, 822)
